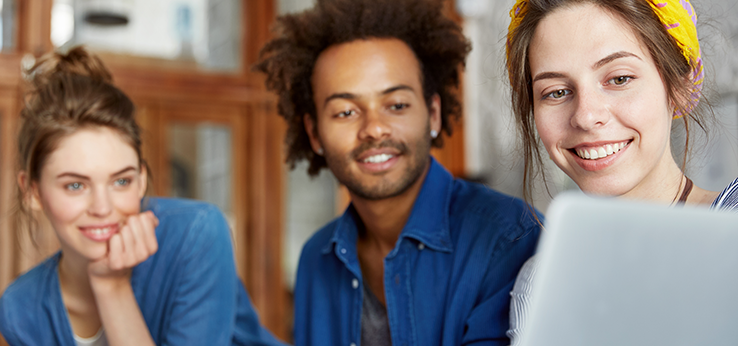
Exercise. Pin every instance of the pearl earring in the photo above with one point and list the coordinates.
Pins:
(320, 151)
(434, 134)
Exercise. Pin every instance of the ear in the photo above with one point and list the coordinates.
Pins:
(434, 110)
(681, 100)
(312, 133)
(31, 195)
(143, 176)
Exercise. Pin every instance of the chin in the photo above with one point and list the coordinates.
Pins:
(603, 190)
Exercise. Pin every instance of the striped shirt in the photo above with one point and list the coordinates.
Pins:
(520, 295)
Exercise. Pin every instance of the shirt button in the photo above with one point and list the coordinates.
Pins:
(355, 283)
(421, 246)
(343, 251)
(353, 344)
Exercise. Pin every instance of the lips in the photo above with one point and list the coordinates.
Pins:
(377, 158)
(99, 233)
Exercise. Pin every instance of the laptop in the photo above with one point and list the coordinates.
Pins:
(617, 272)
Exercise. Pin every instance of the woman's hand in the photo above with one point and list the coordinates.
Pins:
(110, 278)
(133, 244)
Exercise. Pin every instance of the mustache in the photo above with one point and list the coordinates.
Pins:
(387, 143)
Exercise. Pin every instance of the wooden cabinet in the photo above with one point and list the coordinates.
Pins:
(166, 95)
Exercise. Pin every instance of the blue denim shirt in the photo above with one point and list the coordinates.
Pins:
(447, 280)
(188, 291)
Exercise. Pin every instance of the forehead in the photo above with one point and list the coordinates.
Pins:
(365, 67)
(91, 150)
(580, 35)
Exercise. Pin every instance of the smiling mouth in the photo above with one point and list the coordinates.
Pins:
(99, 232)
(599, 152)
(379, 158)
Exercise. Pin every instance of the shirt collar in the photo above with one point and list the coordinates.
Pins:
(428, 221)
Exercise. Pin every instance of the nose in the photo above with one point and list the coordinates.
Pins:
(591, 110)
(100, 204)
(375, 125)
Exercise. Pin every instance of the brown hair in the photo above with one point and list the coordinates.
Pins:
(674, 70)
(66, 93)
(288, 59)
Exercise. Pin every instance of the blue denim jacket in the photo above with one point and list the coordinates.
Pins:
(446, 282)
(188, 291)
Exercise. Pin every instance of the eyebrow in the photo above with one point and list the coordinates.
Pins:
(598, 64)
(350, 96)
(614, 56)
(548, 75)
(80, 176)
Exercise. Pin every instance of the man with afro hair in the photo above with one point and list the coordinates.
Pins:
(418, 258)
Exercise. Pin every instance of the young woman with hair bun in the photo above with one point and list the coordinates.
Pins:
(598, 83)
(131, 270)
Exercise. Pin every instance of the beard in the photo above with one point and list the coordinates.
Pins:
(417, 155)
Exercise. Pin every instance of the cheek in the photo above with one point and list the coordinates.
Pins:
(62, 209)
(127, 202)
(652, 120)
(548, 129)
(338, 137)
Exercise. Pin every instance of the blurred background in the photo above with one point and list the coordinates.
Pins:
(211, 131)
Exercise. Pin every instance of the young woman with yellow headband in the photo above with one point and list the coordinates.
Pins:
(598, 83)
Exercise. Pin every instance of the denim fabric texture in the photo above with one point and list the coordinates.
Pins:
(447, 281)
(188, 291)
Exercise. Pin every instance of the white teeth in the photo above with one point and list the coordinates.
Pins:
(378, 158)
(99, 231)
(603, 151)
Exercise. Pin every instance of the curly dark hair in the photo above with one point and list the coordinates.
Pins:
(289, 58)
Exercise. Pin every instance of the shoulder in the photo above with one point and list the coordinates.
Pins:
(319, 241)
(25, 297)
(195, 218)
(190, 231)
(26, 286)
(177, 207)
(488, 209)
(728, 198)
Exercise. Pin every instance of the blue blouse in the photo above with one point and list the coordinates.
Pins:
(188, 291)
(446, 282)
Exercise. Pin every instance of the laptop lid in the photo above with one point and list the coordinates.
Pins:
(617, 272)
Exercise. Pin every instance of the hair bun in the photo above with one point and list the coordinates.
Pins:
(77, 61)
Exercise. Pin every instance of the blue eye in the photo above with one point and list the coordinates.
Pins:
(122, 182)
(74, 186)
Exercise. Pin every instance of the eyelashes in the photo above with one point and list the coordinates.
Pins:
(559, 94)
(80, 186)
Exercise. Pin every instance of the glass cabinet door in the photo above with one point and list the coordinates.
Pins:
(202, 34)
(200, 163)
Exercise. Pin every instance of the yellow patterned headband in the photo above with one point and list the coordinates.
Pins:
(679, 19)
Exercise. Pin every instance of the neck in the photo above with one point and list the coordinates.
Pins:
(384, 219)
(74, 279)
(666, 184)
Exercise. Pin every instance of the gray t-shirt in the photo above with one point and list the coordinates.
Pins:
(375, 329)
